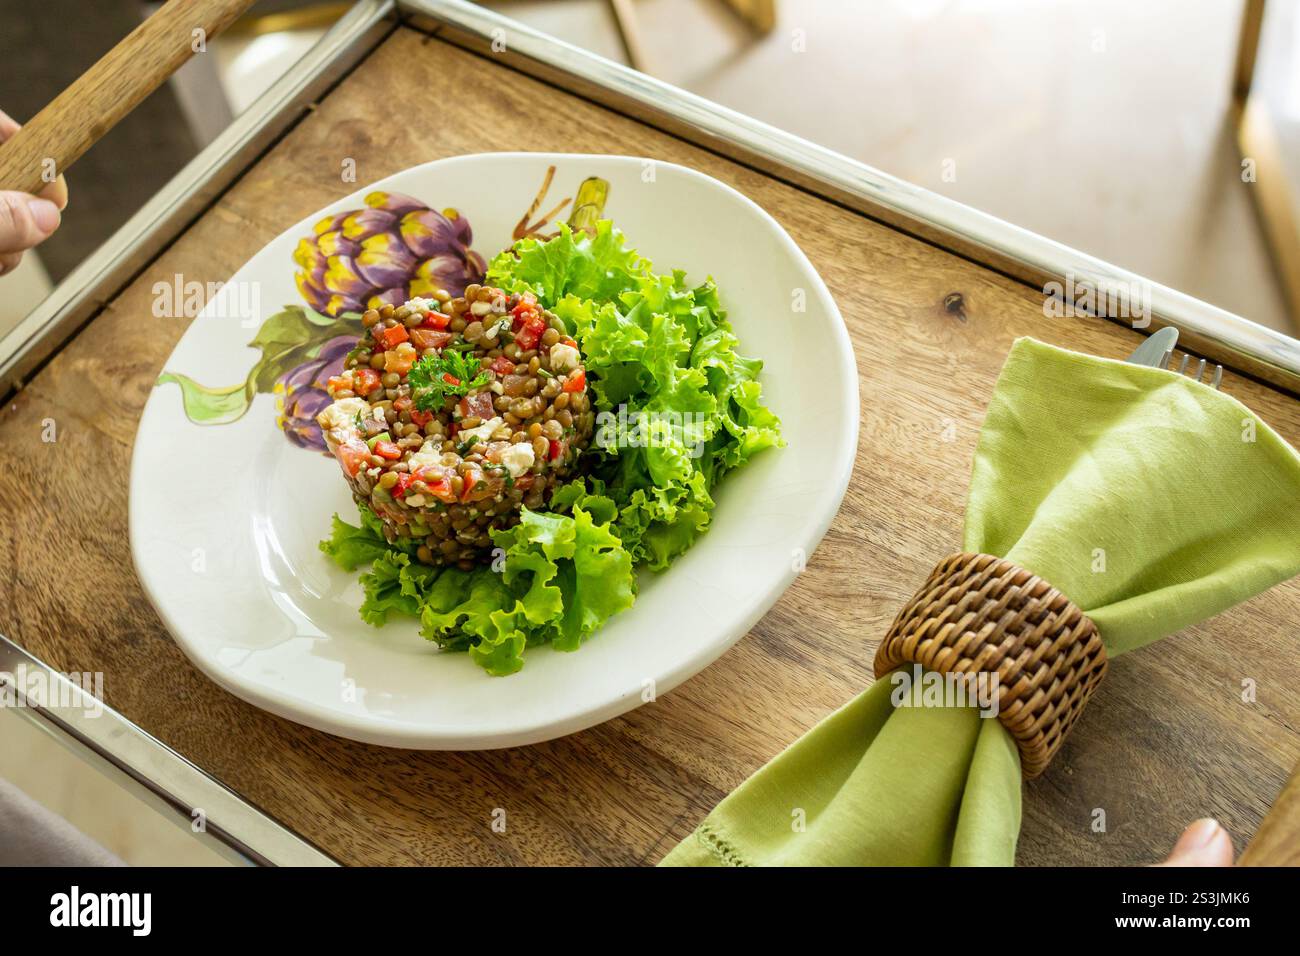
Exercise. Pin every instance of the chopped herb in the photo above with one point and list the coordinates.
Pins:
(463, 448)
(435, 377)
(544, 374)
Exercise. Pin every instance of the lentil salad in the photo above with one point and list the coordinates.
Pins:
(500, 504)
(452, 415)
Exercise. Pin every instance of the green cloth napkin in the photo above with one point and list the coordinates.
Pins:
(1151, 500)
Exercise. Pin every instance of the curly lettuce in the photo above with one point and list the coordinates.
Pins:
(557, 579)
(679, 405)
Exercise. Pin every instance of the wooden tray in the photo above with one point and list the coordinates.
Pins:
(1167, 739)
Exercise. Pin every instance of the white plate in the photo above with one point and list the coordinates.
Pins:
(225, 519)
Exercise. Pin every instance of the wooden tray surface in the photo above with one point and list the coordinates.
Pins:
(1160, 746)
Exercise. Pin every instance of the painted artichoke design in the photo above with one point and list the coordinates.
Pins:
(300, 393)
(394, 249)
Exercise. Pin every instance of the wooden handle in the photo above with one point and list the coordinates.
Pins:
(79, 116)
(1277, 841)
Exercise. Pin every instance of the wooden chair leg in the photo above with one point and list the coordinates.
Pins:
(630, 34)
(759, 14)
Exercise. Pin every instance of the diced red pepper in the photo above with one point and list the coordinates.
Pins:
(400, 360)
(576, 381)
(364, 380)
(386, 449)
(390, 336)
(404, 481)
(401, 404)
(478, 405)
(530, 332)
(435, 320)
(565, 340)
(450, 379)
(438, 478)
(353, 455)
(478, 486)
(339, 382)
(501, 365)
(429, 339)
(522, 313)
(527, 303)
(471, 477)
(555, 451)
(419, 416)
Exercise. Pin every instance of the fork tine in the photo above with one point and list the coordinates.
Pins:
(1182, 366)
(1218, 376)
(1165, 359)
(1200, 370)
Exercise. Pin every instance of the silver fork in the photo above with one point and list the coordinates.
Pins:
(1157, 351)
(1200, 368)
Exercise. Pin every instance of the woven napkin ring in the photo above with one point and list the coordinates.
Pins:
(977, 612)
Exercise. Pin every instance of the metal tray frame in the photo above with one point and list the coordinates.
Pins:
(155, 773)
(1222, 336)
(1217, 334)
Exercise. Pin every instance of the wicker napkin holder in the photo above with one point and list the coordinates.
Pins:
(978, 613)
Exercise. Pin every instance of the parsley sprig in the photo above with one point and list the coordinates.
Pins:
(435, 377)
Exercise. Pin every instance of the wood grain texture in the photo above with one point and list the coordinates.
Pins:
(1167, 738)
(1277, 841)
(80, 115)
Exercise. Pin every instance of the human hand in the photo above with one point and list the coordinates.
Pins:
(26, 221)
(1204, 843)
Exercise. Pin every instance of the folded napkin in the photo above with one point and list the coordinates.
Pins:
(1150, 500)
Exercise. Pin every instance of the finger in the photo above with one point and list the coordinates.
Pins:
(9, 262)
(25, 221)
(57, 191)
(1204, 843)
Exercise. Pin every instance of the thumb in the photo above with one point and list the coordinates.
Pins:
(1204, 843)
(25, 221)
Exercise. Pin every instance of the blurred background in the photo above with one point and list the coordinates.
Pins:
(1162, 136)
(1110, 126)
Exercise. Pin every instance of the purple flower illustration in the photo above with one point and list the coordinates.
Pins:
(300, 392)
(394, 249)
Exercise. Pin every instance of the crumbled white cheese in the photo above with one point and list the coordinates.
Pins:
(564, 357)
(518, 458)
(482, 432)
(491, 332)
(338, 420)
(430, 454)
(420, 304)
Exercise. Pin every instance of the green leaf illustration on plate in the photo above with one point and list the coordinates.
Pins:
(300, 350)
(393, 248)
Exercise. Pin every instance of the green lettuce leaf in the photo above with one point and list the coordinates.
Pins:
(351, 547)
(679, 405)
(587, 266)
(560, 577)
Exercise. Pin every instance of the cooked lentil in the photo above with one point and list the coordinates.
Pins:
(443, 478)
